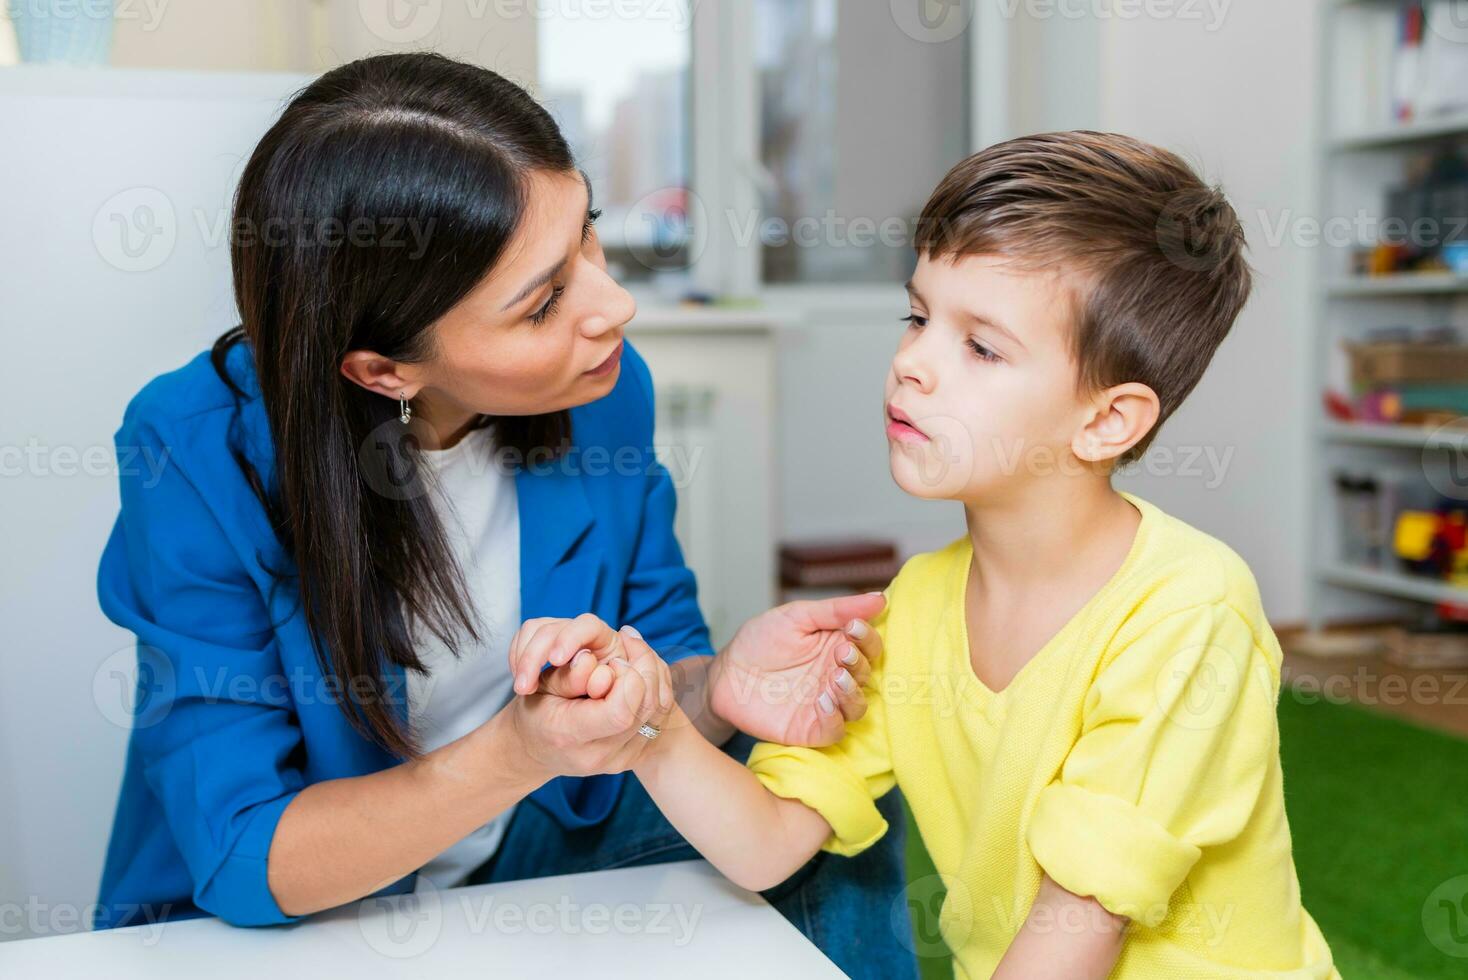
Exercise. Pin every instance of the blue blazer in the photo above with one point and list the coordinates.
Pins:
(233, 716)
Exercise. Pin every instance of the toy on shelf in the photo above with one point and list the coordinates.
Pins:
(1435, 543)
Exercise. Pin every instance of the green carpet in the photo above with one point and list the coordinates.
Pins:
(1379, 813)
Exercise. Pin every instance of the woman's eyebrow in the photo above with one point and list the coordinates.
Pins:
(554, 270)
(535, 284)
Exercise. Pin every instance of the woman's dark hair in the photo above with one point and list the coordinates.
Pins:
(386, 191)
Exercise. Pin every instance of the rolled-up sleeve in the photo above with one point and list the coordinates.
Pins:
(213, 727)
(841, 782)
(1177, 739)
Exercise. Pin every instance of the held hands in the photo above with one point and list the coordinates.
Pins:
(793, 674)
(626, 685)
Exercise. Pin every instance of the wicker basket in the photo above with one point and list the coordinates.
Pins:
(1378, 365)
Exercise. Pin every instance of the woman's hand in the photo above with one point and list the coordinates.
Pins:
(563, 734)
(794, 674)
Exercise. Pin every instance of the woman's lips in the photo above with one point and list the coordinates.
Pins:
(901, 428)
(609, 365)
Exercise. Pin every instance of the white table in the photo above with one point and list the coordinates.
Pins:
(681, 920)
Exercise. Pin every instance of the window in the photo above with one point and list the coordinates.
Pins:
(860, 116)
(618, 86)
(853, 115)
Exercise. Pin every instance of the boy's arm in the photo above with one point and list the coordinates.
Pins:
(757, 839)
(1065, 937)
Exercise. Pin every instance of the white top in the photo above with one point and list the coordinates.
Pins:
(477, 505)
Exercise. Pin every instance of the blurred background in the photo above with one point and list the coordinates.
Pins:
(760, 163)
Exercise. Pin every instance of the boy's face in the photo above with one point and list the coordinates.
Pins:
(982, 397)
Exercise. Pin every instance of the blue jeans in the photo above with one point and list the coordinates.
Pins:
(852, 908)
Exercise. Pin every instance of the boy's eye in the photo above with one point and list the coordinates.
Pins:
(984, 353)
(915, 320)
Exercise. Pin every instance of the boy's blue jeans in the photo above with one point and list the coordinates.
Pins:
(843, 905)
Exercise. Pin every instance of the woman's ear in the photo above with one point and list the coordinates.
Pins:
(1121, 417)
(377, 374)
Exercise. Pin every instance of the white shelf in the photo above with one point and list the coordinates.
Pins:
(1399, 133)
(1404, 284)
(1407, 436)
(1398, 584)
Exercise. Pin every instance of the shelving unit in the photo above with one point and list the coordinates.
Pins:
(1357, 159)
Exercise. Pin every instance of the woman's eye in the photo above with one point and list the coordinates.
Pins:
(544, 313)
(589, 228)
(915, 320)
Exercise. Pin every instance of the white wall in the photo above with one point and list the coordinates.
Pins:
(114, 270)
(1239, 101)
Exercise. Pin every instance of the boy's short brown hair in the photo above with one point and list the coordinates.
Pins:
(1160, 252)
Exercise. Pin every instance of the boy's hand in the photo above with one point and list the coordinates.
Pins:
(558, 642)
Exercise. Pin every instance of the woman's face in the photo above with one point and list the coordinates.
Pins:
(541, 333)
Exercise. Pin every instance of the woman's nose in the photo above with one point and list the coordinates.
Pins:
(614, 309)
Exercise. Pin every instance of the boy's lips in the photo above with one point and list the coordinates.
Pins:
(901, 427)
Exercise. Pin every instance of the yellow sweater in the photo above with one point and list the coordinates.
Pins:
(1135, 759)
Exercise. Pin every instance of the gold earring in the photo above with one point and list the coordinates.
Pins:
(405, 411)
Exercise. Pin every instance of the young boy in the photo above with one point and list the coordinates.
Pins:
(1078, 696)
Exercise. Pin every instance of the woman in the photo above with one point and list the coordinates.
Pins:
(371, 484)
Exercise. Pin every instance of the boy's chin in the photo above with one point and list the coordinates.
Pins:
(924, 475)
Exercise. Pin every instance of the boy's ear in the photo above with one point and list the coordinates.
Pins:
(1121, 417)
(377, 373)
